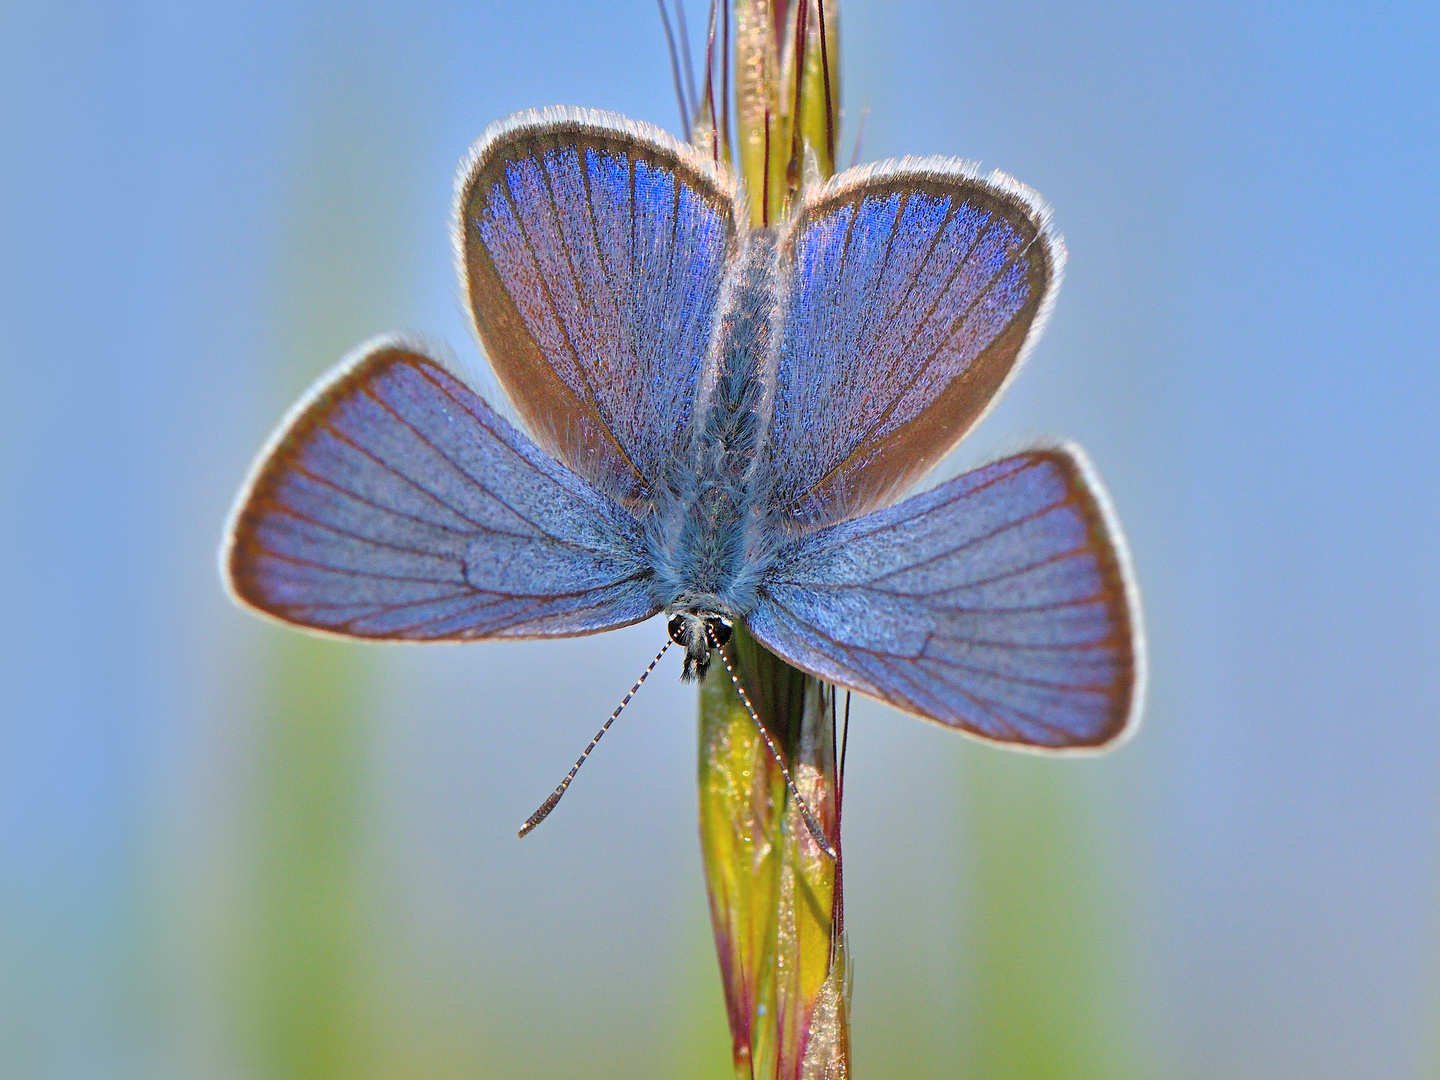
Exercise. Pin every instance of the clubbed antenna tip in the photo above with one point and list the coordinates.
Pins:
(555, 796)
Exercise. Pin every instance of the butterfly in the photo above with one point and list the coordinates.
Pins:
(719, 423)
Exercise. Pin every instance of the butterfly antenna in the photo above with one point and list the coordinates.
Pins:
(816, 833)
(554, 800)
(675, 68)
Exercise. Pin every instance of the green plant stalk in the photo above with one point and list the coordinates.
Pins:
(768, 37)
(776, 900)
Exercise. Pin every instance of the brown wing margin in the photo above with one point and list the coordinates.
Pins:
(1001, 603)
(593, 308)
(913, 290)
(394, 504)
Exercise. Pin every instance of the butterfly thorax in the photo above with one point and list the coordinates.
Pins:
(709, 540)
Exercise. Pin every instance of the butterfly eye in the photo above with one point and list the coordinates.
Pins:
(720, 629)
(676, 629)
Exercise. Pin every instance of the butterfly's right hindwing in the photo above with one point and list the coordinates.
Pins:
(1000, 603)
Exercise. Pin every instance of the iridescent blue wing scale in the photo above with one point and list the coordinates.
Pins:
(395, 504)
(999, 603)
(910, 292)
(593, 250)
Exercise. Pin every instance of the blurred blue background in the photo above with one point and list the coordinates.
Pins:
(230, 851)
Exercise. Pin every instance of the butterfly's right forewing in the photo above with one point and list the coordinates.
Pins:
(910, 291)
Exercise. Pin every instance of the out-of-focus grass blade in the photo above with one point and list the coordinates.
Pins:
(313, 979)
(1050, 1000)
(310, 1000)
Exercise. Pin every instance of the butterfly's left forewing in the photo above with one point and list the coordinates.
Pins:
(999, 603)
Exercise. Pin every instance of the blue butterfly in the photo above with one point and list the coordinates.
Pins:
(719, 421)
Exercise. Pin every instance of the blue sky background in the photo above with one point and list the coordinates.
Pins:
(226, 854)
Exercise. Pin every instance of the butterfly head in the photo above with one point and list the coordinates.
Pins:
(697, 632)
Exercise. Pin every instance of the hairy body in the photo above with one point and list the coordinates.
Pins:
(711, 537)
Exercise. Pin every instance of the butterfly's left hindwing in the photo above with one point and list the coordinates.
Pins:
(395, 504)
(999, 603)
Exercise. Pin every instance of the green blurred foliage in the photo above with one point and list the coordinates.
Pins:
(311, 981)
(308, 959)
(1050, 1000)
